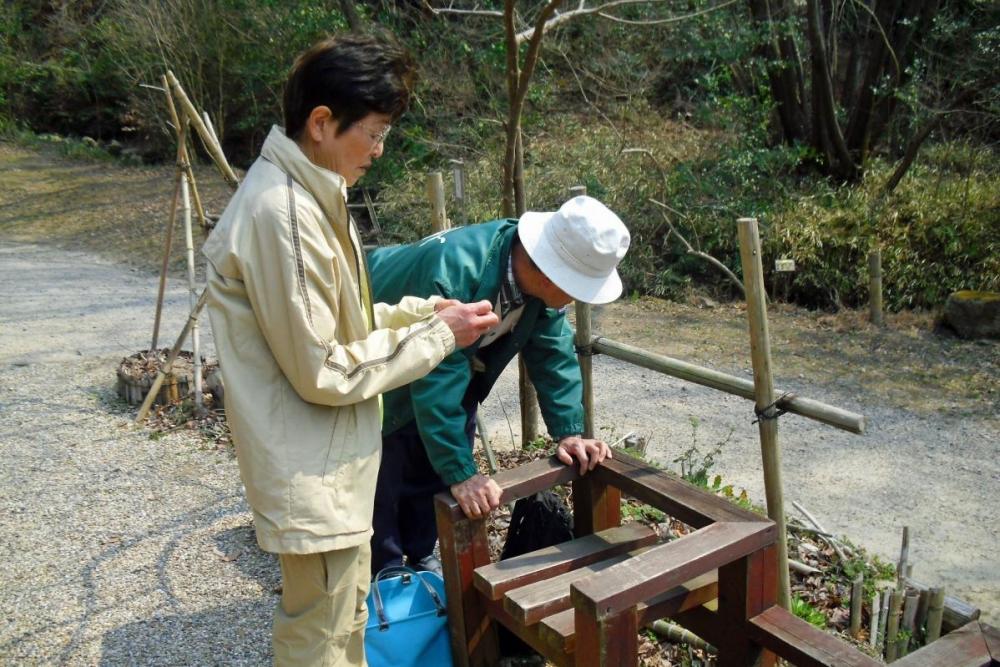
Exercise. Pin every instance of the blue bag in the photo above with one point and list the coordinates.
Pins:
(407, 620)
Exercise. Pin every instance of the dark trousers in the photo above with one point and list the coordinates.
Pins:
(403, 522)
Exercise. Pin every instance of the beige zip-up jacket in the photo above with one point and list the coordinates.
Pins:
(290, 310)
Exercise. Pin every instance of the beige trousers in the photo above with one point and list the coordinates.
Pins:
(321, 619)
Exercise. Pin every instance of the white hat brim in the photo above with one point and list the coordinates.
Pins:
(580, 286)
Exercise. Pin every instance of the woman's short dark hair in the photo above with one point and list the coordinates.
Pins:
(353, 75)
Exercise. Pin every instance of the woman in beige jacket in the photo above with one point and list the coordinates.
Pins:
(304, 352)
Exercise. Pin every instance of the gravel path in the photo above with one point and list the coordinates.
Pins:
(116, 548)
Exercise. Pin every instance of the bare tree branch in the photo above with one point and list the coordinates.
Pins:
(672, 19)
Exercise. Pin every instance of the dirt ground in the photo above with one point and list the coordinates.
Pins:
(930, 458)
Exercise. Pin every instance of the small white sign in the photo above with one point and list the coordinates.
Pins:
(784, 265)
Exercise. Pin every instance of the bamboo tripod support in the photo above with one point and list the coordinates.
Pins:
(760, 352)
(184, 177)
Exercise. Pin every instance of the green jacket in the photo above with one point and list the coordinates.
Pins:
(469, 264)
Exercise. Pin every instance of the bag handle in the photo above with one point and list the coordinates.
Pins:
(402, 570)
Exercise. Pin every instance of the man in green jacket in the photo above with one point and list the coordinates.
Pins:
(530, 270)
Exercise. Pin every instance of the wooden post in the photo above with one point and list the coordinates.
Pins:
(875, 287)
(435, 192)
(935, 612)
(857, 595)
(595, 506)
(458, 175)
(464, 547)
(910, 603)
(746, 588)
(760, 351)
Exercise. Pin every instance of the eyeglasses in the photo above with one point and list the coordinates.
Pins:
(377, 136)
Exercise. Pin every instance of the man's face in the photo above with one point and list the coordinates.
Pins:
(553, 297)
(352, 152)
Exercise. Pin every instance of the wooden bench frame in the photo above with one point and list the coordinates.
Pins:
(607, 611)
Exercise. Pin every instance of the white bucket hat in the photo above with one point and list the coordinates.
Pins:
(578, 248)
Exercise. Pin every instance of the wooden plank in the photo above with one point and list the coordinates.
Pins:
(667, 565)
(495, 579)
(992, 637)
(609, 642)
(964, 647)
(672, 495)
(522, 481)
(558, 630)
(531, 603)
(802, 644)
(464, 546)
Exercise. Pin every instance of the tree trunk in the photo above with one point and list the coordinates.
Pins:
(781, 73)
(351, 14)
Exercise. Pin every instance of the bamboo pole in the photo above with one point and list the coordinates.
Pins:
(199, 404)
(169, 363)
(892, 630)
(904, 551)
(175, 120)
(875, 619)
(883, 623)
(935, 612)
(707, 377)
(678, 635)
(920, 624)
(760, 352)
(584, 348)
(910, 605)
(875, 287)
(168, 244)
(213, 148)
(458, 179)
(857, 597)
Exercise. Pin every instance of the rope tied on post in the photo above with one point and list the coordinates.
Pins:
(772, 411)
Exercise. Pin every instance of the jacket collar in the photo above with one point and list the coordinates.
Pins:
(328, 187)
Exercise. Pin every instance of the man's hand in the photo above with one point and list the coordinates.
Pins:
(477, 496)
(588, 452)
(468, 321)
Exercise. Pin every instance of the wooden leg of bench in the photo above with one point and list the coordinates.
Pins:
(596, 506)
(746, 588)
(611, 642)
(464, 547)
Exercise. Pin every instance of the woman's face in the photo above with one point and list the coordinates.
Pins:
(352, 152)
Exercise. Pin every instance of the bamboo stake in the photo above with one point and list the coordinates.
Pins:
(935, 612)
(873, 627)
(169, 242)
(892, 631)
(199, 404)
(875, 287)
(760, 352)
(707, 377)
(909, 622)
(175, 120)
(584, 347)
(884, 617)
(169, 363)
(435, 192)
(920, 625)
(857, 595)
(214, 150)
(904, 551)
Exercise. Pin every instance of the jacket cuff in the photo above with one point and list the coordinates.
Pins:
(444, 334)
(458, 473)
(563, 430)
